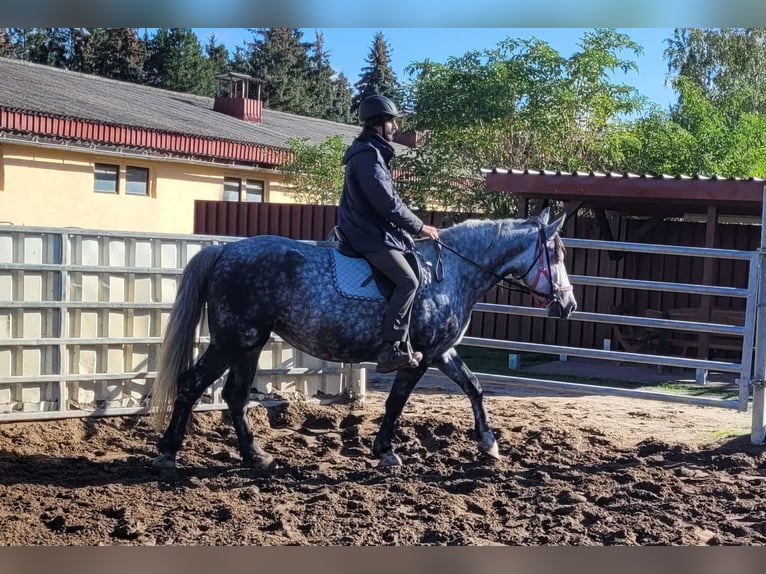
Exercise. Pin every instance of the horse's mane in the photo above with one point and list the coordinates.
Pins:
(469, 227)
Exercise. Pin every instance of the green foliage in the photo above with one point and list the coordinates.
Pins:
(176, 62)
(378, 77)
(116, 53)
(7, 49)
(217, 55)
(724, 63)
(342, 101)
(520, 105)
(330, 97)
(279, 58)
(701, 136)
(316, 173)
(48, 46)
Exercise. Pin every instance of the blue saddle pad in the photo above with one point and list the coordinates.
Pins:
(352, 277)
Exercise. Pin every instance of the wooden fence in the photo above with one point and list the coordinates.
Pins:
(313, 222)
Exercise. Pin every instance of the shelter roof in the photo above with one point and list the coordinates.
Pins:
(634, 194)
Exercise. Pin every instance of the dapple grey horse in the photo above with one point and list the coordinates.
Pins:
(266, 284)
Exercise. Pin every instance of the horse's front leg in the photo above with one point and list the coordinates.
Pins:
(405, 381)
(453, 366)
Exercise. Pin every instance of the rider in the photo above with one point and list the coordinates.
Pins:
(377, 224)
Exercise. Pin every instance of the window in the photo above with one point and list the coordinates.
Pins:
(136, 180)
(106, 177)
(234, 186)
(231, 187)
(254, 191)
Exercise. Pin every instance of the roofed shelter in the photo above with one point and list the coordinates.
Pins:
(635, 208)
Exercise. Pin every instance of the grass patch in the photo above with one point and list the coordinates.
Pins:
(495, 361)
(724, 434)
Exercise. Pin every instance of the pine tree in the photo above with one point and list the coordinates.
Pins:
(320, 78)
(342, 101)
(239, 62)
(114, 53)
(217, 55)
(176, 62)
(378, 77)
(7, 49)
(280, 60)
(48, 46)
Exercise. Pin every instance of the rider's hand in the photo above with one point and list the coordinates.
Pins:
(429, 231)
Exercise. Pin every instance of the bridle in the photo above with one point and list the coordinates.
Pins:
(542, 260)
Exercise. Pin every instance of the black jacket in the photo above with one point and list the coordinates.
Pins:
(371, 214)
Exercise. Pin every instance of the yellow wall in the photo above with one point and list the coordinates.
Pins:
(54, 188)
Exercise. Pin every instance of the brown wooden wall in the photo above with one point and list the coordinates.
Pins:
(313, 222)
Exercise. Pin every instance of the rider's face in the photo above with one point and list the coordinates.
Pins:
(389, 129)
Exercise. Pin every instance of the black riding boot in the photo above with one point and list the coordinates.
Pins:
(395, 356)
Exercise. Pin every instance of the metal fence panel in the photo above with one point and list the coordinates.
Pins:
(82, 315)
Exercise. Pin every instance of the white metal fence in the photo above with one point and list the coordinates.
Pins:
(82, 313)
(81, 319)
(751, 370)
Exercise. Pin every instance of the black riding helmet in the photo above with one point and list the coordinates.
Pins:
(375, 106)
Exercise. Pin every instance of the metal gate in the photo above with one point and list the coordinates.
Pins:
(81, 319)
(751, 370)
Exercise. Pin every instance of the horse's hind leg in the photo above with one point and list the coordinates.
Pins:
(191, 385)
(236, 393)
(405, 381)
(453, 366)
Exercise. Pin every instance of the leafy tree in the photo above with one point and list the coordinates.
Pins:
(378, 77)
(519, 105)
(176, 62)
(279, 58)
(316, 173)
(722, 62)
(703, 136)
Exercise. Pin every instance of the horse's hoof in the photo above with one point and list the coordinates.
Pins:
(264, 462)
(488, 445)
(164, 462)
(389, 459)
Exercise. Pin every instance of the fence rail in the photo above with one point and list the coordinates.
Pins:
(82, 312)
(81, 319)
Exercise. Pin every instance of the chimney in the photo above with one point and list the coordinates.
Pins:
(233, 97)
(412, 139)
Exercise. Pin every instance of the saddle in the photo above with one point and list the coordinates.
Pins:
(354, 277)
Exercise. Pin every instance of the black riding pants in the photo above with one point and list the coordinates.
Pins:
(392, 263)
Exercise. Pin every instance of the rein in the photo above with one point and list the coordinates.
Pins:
(515, 284)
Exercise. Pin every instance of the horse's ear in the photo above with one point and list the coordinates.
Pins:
(544, 216)
(555, 227)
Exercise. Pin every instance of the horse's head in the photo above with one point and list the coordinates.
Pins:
(547, 276)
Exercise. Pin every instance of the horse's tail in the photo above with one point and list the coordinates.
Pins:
(177, 349)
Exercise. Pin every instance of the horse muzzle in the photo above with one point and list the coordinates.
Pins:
(561, 310)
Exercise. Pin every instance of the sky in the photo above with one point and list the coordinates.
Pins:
(350, 47)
